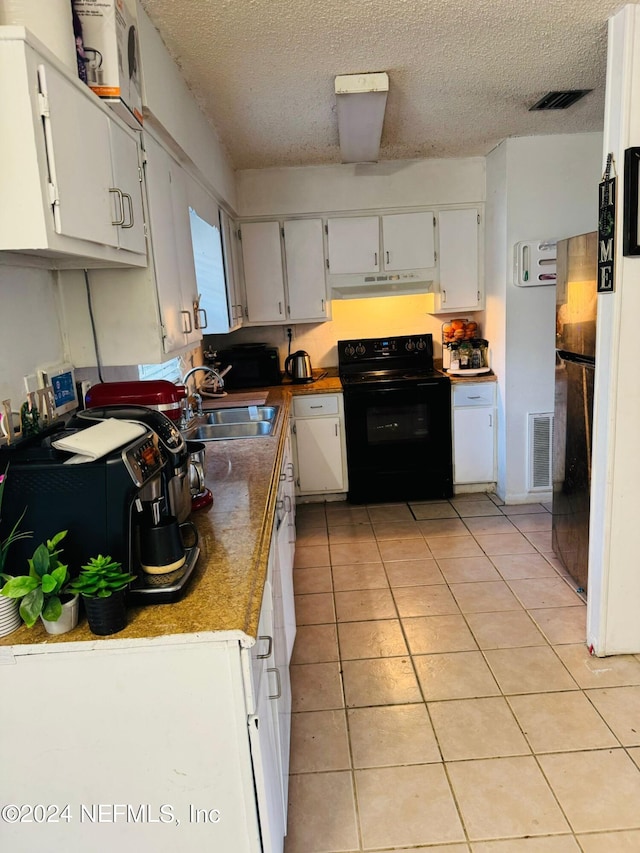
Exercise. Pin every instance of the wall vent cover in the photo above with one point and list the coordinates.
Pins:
(560, 100)
(540, 451)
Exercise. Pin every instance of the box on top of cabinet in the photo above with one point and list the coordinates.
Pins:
(112, 54)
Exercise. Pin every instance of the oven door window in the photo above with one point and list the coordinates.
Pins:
(401, 423)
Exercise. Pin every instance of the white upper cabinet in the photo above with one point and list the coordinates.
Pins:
(175, 278)
(408, 241)
(127, 174)
(459, 261)
(263, 271)
(304, 254)
(354, 245)
(358, 244)
(282, 291)
(72, 194)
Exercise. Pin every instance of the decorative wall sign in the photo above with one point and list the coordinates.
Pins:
(630, 231)
(606, 230)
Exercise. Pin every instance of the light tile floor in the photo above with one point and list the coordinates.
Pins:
(443, 696)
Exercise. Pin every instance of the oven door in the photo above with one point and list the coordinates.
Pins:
(399, 441)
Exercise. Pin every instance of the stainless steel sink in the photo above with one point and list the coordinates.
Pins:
(212, 432)
(236, 422)
(242, 414)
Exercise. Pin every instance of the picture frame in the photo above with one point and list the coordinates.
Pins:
(631, 223)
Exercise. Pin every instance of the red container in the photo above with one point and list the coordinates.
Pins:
(158, 394)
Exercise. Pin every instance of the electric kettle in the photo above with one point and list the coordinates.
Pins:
(297, 367)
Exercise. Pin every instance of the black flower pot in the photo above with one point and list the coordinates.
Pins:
(107, 615)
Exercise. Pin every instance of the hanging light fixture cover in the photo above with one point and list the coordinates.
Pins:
(361, 100)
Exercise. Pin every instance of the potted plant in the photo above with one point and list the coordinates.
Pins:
(43, 592)
(9, 614)
(102, 585)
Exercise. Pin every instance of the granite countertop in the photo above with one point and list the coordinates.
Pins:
(224, 594)
(480, 377)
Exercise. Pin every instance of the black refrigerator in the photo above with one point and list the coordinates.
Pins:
(576, 308)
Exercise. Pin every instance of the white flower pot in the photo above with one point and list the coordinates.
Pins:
(9, 615)
(68, 618)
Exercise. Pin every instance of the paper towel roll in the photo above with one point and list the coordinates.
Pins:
(51, 22)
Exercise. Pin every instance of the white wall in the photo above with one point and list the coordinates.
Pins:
(351, 318)
(398, 183)
(542, 187)
(30, 336)
(495, 278)
(613, 623)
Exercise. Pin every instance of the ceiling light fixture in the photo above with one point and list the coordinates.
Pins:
(361, 100)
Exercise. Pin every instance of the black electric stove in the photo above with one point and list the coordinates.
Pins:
(397, 419)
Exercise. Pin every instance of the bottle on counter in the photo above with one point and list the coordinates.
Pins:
(465, 355)
(454, 357)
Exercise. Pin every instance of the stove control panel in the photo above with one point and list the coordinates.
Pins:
(384, 348)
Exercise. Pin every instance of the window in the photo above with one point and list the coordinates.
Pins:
(209, 266)
(168, 370)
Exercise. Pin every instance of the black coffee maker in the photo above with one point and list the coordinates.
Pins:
(98, 502)
(105, 505)
(173, 447)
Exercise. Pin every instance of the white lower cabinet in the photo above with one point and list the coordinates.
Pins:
(320, 444)
(180, 742)
(474, 433)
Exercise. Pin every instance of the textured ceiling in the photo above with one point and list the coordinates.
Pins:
(462, 74)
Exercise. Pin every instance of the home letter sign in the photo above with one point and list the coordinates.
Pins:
(606, 233)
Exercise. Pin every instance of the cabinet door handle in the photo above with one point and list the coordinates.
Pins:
(278, 694)
(387, 257)
(130, 206)
(201, 321)
(287, 503)
(267, 654)
(290, 467)
(322, 305)
(490, 420)
(279, 307)
(188, 316)
(336, 430)
(375, 259)
(475, 397)
(444, 296)
(317, 407)
(118, 193)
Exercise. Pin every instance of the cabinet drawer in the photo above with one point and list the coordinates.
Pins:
(315, 405)
(474, 395)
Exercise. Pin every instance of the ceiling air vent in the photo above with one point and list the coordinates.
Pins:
(560, 100)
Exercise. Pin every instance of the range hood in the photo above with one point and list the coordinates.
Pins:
(401, 283)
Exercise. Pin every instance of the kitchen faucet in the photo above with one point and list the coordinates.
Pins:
(218, 385)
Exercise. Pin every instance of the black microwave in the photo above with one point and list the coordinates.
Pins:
(252, 366)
